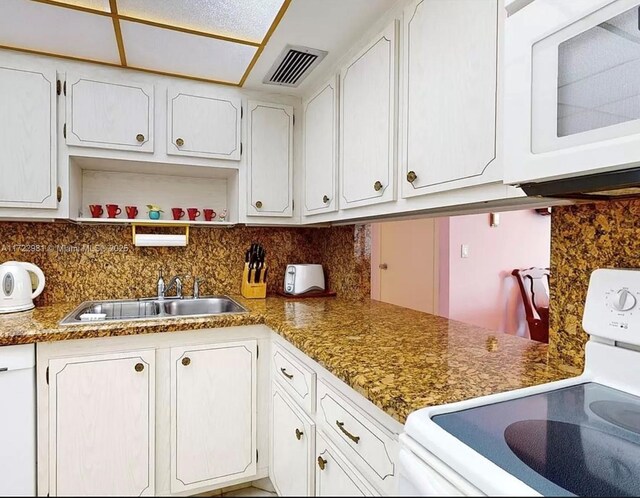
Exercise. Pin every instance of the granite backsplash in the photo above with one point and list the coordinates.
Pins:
(84, 262)
(585, 237)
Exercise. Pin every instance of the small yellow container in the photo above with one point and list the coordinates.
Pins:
(252, 290)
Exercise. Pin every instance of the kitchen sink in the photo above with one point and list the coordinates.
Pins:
(144, 309)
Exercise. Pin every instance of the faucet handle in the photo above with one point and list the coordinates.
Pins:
(196, 286)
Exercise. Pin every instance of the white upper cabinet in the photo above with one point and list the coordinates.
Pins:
(270, 159)
(28, 157)
(572, 88)
(203, 125)
(102, 425)
(367, 123)
(449, 95)
(109, 114)
(321, 150)
(213, 414)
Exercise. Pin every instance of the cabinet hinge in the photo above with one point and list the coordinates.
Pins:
(240, 148)
(257, 351)
(294, 120)
(293, 205)
(59, 193)
(241, 112)
(46, 375)
(58, 87)
(257, 456)
(64, 88)
(64, 130)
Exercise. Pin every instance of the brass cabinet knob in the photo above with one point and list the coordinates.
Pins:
(59, 194)
(377, 186)
(411, 176)
(299, 434)
(139, 367)
(140, 137)
(179, 142)
(326, 199)
(259, 204)
(322, 463)
(186, 361)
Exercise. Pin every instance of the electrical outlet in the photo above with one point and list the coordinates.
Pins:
(464, 251)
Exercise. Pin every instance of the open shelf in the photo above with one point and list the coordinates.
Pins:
(143, 221)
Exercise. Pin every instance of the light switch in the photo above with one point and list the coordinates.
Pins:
(464, 251)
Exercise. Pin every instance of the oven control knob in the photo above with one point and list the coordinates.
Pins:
(623, 300)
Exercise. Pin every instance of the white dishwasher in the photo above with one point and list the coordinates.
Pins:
(18, 420)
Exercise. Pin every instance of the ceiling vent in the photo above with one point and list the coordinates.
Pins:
(293, 65)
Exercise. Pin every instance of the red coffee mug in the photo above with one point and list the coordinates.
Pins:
(132, 212)
(209, 214)
(193, 213)
(96, 210)
(177, 213)
(113, 210)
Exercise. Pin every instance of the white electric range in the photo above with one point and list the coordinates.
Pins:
(579, 436)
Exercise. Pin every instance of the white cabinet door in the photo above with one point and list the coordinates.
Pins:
(572, 89)
(320, 150)
(292, 447)
(28, 157)
(213, 414)
(203, 125)
(449, 104)
(367, 124)
(102, 425)
(270, 159)
(109, 114)
(333, 476)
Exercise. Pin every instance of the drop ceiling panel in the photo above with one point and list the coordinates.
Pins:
(102, 5)
(175, 52)
(244, 19)
(54, 30)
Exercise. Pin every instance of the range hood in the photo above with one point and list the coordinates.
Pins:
(600, 186)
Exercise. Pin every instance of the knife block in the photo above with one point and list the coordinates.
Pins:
(252, 290)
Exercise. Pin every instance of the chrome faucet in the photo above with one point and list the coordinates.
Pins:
(177, 282)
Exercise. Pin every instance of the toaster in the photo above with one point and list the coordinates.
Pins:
(299, 279)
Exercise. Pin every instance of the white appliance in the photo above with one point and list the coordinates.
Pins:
(579, 436)
(571, 92)
(16, 291)
(299, 279)
(18, 420)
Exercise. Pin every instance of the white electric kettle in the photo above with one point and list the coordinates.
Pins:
(16, 291)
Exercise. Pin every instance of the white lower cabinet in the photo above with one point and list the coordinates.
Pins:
(333, 476)
(102, 425)
(292, 447)
(213, 414)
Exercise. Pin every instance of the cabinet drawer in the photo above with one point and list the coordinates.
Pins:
(298, 380)
(367, 446)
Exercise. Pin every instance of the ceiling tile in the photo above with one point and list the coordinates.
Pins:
(102, 5)
(55, 30)
(244, 19)
(158, 49)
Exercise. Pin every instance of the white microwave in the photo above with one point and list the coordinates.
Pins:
(572, 89)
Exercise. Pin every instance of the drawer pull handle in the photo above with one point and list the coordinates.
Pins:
(353, 438)
(299, 434)
(321, 463)
(287, 375)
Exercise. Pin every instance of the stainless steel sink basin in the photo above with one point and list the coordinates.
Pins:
(144, 309)
(203, 306)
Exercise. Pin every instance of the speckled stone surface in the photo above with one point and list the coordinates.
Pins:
(400, 359)
(583, 238)
(88, 262)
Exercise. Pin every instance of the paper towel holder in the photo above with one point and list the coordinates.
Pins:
(160, 239)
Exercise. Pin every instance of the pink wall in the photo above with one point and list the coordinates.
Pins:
(480, 289)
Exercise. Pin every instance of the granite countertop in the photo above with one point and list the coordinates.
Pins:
(400, 359)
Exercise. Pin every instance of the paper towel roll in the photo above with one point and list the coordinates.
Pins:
(159, 240)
